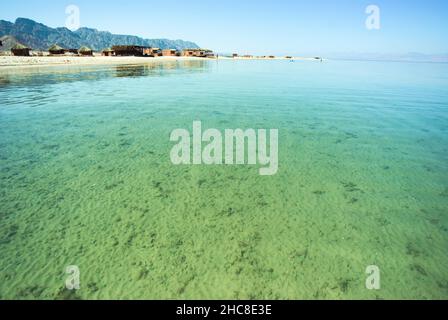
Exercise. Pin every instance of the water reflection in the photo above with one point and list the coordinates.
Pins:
(42, 76)
(161, 69)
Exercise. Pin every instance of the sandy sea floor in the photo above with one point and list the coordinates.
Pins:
(86, 180)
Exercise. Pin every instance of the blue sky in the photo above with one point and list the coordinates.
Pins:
(316, 27)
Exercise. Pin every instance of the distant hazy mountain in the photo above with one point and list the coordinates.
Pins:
(41, 37)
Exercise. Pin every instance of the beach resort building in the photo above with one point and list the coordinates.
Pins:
(152, 52)
(141, 51)
(130, 50)
(170, 53)
(200, 53)
(20, 50)
(72, 51)
(155, 52)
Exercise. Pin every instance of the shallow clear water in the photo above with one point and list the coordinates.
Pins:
(86, 180)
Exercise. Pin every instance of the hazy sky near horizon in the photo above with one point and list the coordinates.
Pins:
(317, 27)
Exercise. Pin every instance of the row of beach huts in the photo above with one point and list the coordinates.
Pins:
(119, 50)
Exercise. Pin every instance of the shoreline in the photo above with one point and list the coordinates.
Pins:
(15, 62)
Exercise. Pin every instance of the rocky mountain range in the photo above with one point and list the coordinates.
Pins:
(40, 37)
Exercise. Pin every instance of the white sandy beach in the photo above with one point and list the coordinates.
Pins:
(14, 62)
(23, 62)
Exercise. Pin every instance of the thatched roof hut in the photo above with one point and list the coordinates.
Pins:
(55, 49)
(20, 50)
(85, 51)
(108, 52)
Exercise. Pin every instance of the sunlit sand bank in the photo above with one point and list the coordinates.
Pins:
(21, 62)
(12, 61)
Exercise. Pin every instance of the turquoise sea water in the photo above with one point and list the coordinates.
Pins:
(86, 180)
